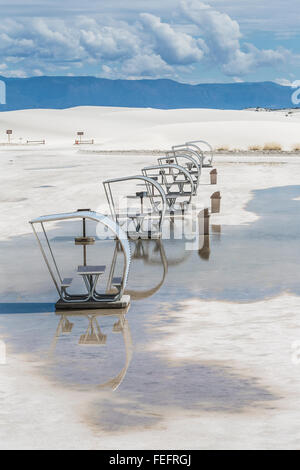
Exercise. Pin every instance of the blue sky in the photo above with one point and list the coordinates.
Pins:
(186, 40)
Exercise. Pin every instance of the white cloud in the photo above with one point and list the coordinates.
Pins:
(146, 65)
(253, 16)
(287, 82)
(279, 17)
(108, 42)
(223, 37)
(146, 46)
(222, 33)
(44, 42)
(173, 46)
(16, 73)
(37, 73)
(46, 45)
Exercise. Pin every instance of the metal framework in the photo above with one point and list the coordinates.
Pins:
(208, 160)
(187, 160)
(153, 192)
(172, 176)
(89, 274)
(184, 149)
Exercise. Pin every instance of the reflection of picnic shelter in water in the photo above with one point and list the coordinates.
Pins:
(152, 253)
(94, 337)
(156, 256)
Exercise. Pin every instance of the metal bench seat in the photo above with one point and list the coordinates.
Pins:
(116, 282)
(66, 282)
(177, 194)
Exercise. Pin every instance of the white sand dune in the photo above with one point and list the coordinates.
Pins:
(127, 128)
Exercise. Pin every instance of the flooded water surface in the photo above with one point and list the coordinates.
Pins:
(135, 365)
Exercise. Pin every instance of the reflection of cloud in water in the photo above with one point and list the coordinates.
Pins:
(238, 263)
(251, 262)
(152, 387)
(162, 389)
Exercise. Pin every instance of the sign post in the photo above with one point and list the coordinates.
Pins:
(80, 134)
(9, 133)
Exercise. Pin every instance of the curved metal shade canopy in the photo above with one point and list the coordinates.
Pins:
(168, 170)
(150, 185)
(208, 161)
(197, 154)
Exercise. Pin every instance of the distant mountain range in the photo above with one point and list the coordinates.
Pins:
(66, 92)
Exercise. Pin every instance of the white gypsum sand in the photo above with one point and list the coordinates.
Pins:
(140, 128)
(255, 339)
(36, 414)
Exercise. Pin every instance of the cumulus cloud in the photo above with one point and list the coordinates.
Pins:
(146, 65)
(55, 39)
(173, 46)
(223, 38)
(221, 32)
(108, 42)
(146, 46)
(54, 44)
(287, 82)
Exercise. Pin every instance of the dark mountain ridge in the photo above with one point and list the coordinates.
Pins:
(66, 92)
